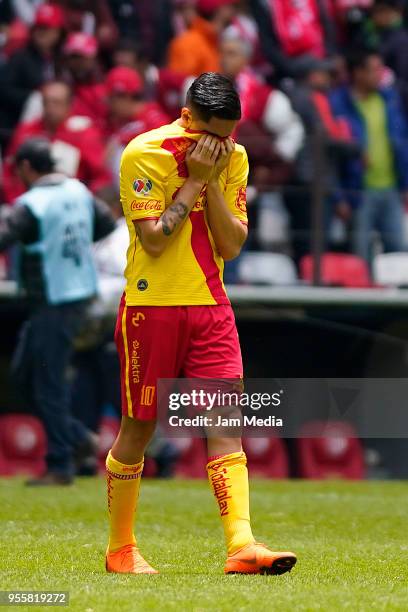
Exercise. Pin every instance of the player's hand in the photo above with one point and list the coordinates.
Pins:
(201, 158)
(227, 148)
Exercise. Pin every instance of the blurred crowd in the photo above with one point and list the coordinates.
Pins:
(323, 85)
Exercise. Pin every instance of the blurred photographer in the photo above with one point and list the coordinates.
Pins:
(56, 221)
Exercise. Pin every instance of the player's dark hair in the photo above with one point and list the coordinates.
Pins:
(37, 151)
(214, 95)
(358, 58)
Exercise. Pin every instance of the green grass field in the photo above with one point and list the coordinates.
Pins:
(351, 539)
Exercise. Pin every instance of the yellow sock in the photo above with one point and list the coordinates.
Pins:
(228, 477)
(123, 491)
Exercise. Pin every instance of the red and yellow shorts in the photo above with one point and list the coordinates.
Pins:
(172, 342)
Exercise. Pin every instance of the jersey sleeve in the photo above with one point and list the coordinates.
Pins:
(235, 188)
(142, 184)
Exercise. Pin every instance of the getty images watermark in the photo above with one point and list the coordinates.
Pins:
(226, 408)
(214, 407)
(288, 408)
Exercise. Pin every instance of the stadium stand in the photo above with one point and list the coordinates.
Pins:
(266, 269)
(294, 86)
(338, 454)
(338, 269)
(391, 269)
(22, 445)
(267, 457)
(192, 459)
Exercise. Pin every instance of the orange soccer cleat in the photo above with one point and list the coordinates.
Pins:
(258, 559)
(128, 560)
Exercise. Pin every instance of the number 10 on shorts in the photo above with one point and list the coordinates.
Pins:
(147, 395)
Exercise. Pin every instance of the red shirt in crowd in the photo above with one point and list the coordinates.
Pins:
(150, 117)
(77, 146)
(90, 101)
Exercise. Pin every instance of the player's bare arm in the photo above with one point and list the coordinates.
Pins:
(201, 159)
(228, 232)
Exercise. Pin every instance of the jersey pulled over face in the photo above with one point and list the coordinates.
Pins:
(190, 271)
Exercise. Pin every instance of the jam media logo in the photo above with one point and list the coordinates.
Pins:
(240, 202)
(142, 186)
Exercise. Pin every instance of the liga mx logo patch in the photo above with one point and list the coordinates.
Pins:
(142, 186)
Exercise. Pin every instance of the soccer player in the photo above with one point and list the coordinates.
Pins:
(183, 194)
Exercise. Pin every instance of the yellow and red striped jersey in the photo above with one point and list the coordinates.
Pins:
(190, 271)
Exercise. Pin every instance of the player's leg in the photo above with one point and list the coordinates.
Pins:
(215, 353)
(132, 440)
(228, 478)
(124, 467)
(216, 337)
(147, 347)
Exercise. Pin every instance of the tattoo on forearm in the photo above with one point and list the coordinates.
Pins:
(173, 216)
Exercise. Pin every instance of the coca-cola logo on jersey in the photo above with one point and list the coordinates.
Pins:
(146, 205)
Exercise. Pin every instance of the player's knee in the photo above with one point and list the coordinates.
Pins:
(223, 445)
(137, 432)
